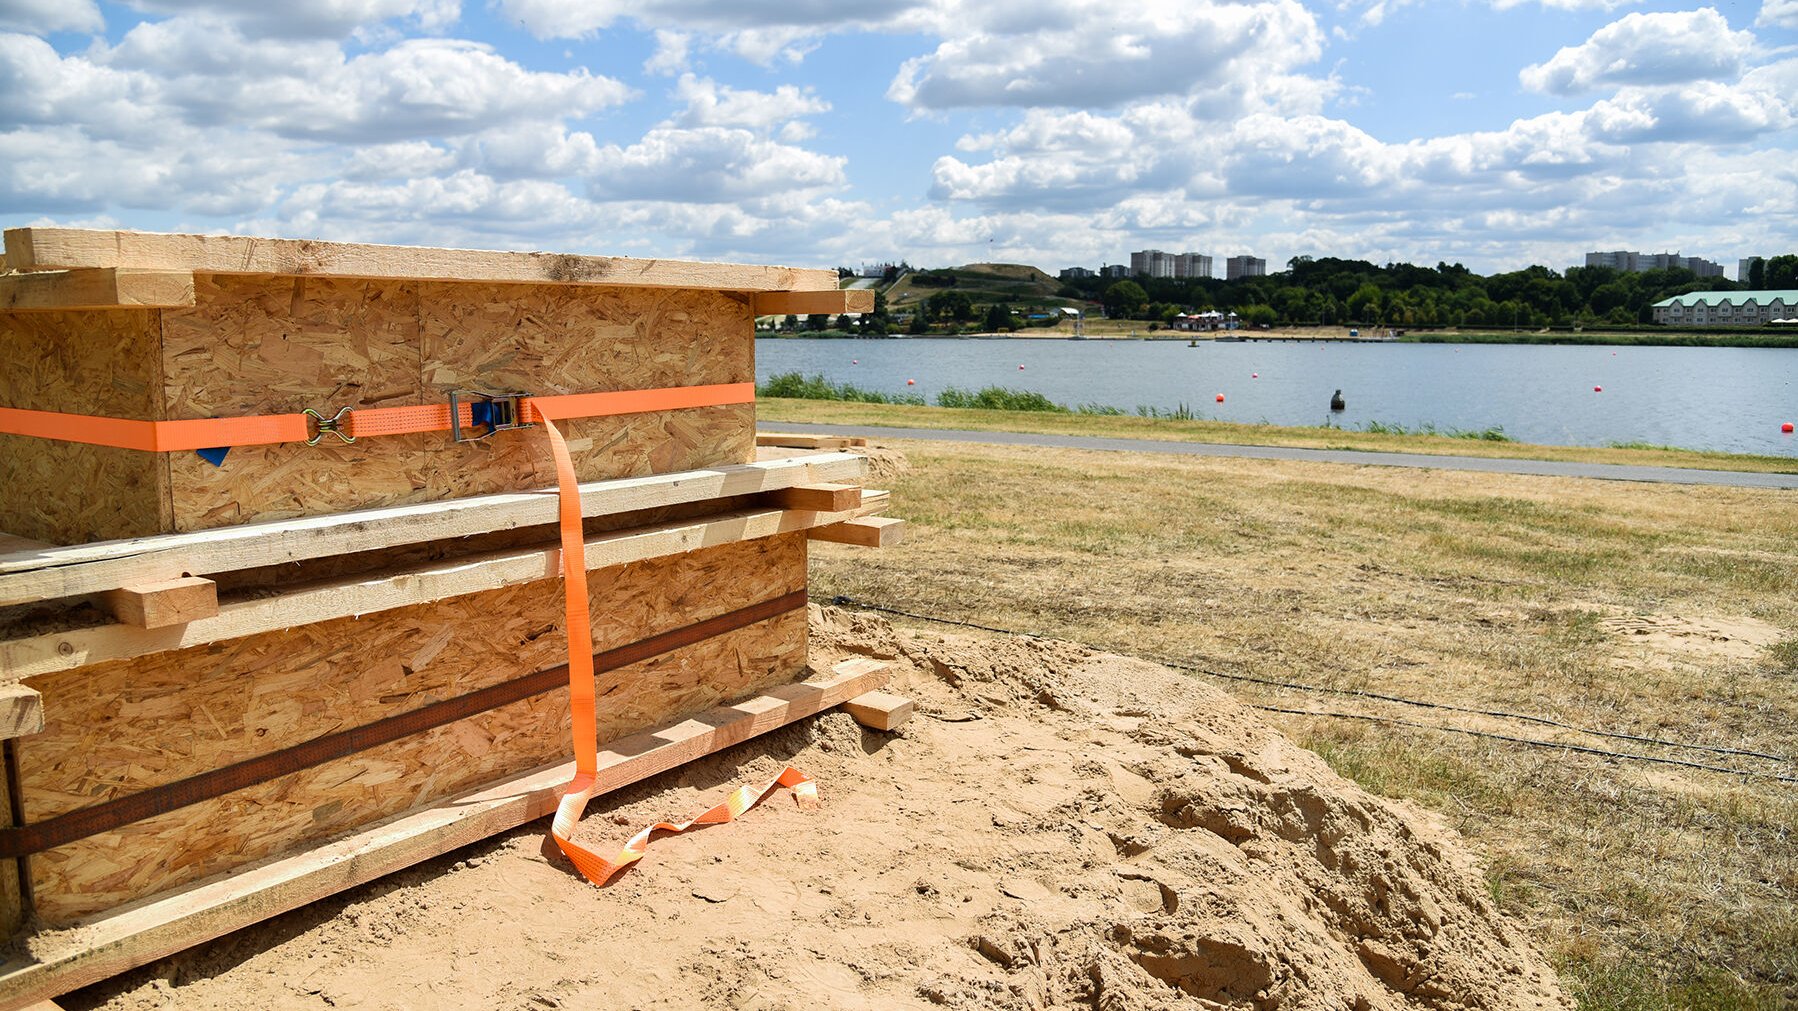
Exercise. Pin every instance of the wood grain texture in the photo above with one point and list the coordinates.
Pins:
(256, 613)
(822, 497)
(880, 710)
(119, 727)
(98, 288)
(21, 712)
(53, 248)
(106, 363)
(866, 532)
(12, 898)
(138, 934)
(781, 303)
(163, 603)
(32, 571)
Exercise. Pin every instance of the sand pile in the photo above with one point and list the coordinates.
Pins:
(1058, 829)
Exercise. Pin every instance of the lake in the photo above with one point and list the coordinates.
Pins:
(1731, 399)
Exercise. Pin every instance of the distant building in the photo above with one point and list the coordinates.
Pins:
(876, 269)
(1745, 266)
(1244, 266)
(1155, 263)
(1726, 308)
(1075, 273)
(1114, 270)
(1634, 262)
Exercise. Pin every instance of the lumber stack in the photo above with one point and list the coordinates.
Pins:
(231, 687)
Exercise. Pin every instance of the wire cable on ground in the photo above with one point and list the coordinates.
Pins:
(1378, 696)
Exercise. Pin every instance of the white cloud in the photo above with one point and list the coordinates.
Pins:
(1655, 48)
(1097, 53)
(709, 103)
(312, 18)
(44, 16)
(709, 164)
(671, 55)
(1778, 13)
(1705, 111)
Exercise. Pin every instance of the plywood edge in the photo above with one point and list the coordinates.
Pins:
(35, 249)
(367, 594)
(144, 931)
(806, 303)
(39, 573)
(96, 288)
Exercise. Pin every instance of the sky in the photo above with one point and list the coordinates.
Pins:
(1494, 133)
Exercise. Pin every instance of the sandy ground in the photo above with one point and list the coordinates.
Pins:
(1058, 828)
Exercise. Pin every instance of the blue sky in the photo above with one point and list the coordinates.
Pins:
(1496, 133)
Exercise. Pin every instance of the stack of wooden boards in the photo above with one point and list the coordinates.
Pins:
(229, 689)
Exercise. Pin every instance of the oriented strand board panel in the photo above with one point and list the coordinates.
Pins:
(267, 345)
(81, 363)
(118, 728)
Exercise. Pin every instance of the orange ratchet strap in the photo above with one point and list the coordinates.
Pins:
(351, 423)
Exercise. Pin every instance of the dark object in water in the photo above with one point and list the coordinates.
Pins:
(1337, 403)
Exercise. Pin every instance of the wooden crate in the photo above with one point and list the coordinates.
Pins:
(169, 327)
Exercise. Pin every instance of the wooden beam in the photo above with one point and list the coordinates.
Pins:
(793, 441)
(865, 532)
(21, 712)
(806, 303)
(383, 591)
(824, 498)
(32, 249)
(96, 288)
(163, 603)
(879, 710)
(48, 573)
(153, 928)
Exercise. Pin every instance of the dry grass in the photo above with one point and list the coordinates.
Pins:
(900, 416)
(1661, 611)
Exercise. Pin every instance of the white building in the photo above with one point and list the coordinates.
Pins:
(1114, 270)
(1244, 266)
(1075, 273)
(1634, 262)
(1155, 263)
(1726, 308)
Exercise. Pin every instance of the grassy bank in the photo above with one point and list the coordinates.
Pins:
(1660, 611)
(1718, 339)
(1388, 439)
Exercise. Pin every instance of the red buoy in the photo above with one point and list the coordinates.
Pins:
(1597, 389)
(911, 382)
(1020, 368)
(1220, 398)
(855, 361)
(1786, 428)
(1254, 375)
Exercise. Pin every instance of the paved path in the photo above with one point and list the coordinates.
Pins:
(1492, 465)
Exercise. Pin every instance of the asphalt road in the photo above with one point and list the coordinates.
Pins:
(1490, 465)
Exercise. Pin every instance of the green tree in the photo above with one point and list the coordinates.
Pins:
(998, 318)
(1757, 274)
(818, 321)
(1364, 303)
(790, 323)
(920, 323)
(1782, 272)
(1125, 300)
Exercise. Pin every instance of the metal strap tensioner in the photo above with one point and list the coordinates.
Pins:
(333, 425)
(499, 412)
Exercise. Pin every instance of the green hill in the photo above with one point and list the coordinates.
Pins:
(983, 283)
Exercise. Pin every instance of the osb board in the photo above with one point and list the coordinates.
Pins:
(262, 345)
(118, 728)
(105, 363)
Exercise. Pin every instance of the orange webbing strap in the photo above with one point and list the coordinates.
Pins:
(582, 692)
(157, 436)
(599, 870)
(222, 433)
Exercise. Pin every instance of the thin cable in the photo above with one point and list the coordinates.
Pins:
(1532, 742)
(1356, 692)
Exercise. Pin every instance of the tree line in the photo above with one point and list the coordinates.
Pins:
(1328, 290)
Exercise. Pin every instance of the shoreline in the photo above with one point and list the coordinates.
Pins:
(1758, 340)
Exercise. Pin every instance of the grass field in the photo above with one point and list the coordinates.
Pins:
(772, 410)
(1658, 611)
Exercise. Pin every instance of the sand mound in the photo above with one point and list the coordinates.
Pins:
(1057, 829)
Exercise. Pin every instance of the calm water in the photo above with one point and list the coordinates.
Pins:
(1730, 399)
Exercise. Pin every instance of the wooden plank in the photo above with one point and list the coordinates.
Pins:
(32, 249)
(826, 498)
(51, 573)
(148, 930)
(793, 441)
(369, 594)
(879, 710)
(806, 303)
(865, 532)
(96, 288)
(163, 603)
(21, 712)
